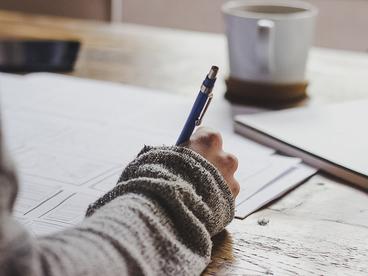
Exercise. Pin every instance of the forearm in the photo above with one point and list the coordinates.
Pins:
(131, 235)
(158, 220)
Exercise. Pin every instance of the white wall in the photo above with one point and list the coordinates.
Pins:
(342, 24)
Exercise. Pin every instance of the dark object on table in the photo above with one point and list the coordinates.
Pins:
(38, 55)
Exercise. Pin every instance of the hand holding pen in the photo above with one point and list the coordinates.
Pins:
(205, 141)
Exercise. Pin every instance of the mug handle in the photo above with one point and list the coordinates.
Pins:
(265, 44)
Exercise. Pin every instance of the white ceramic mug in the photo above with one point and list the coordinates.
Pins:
(269, 40)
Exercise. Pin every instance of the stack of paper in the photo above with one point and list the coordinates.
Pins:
(71, 138)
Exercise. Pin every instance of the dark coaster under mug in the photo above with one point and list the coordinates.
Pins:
(265, 94)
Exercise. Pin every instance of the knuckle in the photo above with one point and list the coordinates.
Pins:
(214, 136)
(211, 139)
(231, 161)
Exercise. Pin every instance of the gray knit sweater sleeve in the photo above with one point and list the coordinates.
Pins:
(158, 220)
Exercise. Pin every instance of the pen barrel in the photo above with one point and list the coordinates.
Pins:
(192, 118)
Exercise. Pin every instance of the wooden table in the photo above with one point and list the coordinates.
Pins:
(320, 228)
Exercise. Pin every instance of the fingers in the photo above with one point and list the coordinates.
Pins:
(207, 138)
(208, 143)
(234, 186)
(227, 163)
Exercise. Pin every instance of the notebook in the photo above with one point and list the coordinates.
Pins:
(333, 138)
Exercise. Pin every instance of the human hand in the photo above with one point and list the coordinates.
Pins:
(208, 143)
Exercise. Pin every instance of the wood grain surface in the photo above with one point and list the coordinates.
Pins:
(321, 227)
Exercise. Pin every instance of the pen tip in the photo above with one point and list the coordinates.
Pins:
(213, 72)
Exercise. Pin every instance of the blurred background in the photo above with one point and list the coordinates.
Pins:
(342, 24)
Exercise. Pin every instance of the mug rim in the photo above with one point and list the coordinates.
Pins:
(309, 10)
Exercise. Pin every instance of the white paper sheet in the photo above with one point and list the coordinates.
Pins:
(32, 195)
(71, 138)
(274, 190)
(274, 167)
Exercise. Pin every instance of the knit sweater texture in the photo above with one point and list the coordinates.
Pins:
(158, 220)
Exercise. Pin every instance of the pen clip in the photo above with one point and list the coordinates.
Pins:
(199, 120)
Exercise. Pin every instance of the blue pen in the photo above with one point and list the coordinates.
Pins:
(199, 107)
